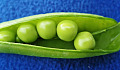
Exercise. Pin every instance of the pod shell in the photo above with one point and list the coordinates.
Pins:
(89, 22)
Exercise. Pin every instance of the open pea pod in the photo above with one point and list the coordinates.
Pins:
(105, 30)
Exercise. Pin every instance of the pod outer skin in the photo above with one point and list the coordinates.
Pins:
(85, 22)
(101, 48)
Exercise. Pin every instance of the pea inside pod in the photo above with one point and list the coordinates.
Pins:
(84, 41)
(46, 29)
(67, 30)
(7, 35)
(27, 33)
(18, 40)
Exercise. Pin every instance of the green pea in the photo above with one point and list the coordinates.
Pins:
(7, 36)
(67, 30)
(46, 29)
(27, 33)
(84, 41)
(18, 40)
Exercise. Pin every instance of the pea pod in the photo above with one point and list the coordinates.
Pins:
(105, 30)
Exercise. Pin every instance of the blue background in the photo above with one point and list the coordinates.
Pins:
(14, 9)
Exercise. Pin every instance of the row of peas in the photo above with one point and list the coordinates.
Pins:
(66, 30)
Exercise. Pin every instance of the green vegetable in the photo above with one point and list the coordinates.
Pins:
(18, 40)
(46, 29)
(27, 33)
(84, 41)
(107, 39)
(7, 35)
(67, 30)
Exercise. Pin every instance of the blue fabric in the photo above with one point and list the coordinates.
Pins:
(14, 9)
